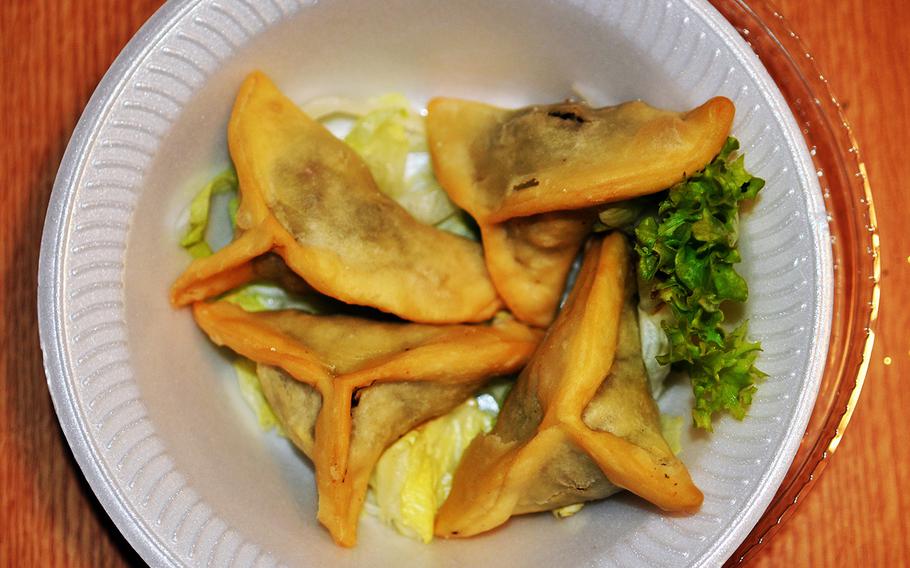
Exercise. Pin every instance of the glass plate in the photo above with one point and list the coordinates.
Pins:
(854, 240)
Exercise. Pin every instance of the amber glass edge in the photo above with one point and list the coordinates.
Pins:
(803, 478)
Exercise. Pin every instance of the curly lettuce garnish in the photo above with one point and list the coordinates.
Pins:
(686, 256)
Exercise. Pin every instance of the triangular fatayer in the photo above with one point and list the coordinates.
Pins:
(308, 197)
(518, 171)
(346, 388)
(580, 422)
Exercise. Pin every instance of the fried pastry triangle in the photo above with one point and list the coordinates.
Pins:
(520, 173)
(580, 422)
(308, 197)
(346, 388)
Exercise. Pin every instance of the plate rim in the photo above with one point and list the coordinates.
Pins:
(50, 336)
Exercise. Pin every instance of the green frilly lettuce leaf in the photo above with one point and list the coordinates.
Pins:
(687, 251)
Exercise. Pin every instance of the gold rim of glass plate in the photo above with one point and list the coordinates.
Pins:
(854, 242)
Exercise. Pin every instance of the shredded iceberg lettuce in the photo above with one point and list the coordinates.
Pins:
(382, 138)
(389, 135)
(327, 108)
(654, 344)
(194, 240)
(671, 428)
(567, 511)
(251, 389)
(414, 475)
(264, 296)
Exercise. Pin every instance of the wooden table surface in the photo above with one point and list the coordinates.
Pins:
(53, 54)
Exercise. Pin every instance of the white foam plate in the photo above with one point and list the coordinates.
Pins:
(149, 407)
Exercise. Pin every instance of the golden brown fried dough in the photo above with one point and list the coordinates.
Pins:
(580, 422)
(346, 388)
(308, 197)
(518, 171)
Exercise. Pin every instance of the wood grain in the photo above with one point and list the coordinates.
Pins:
(53, 54)
(858, 513)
